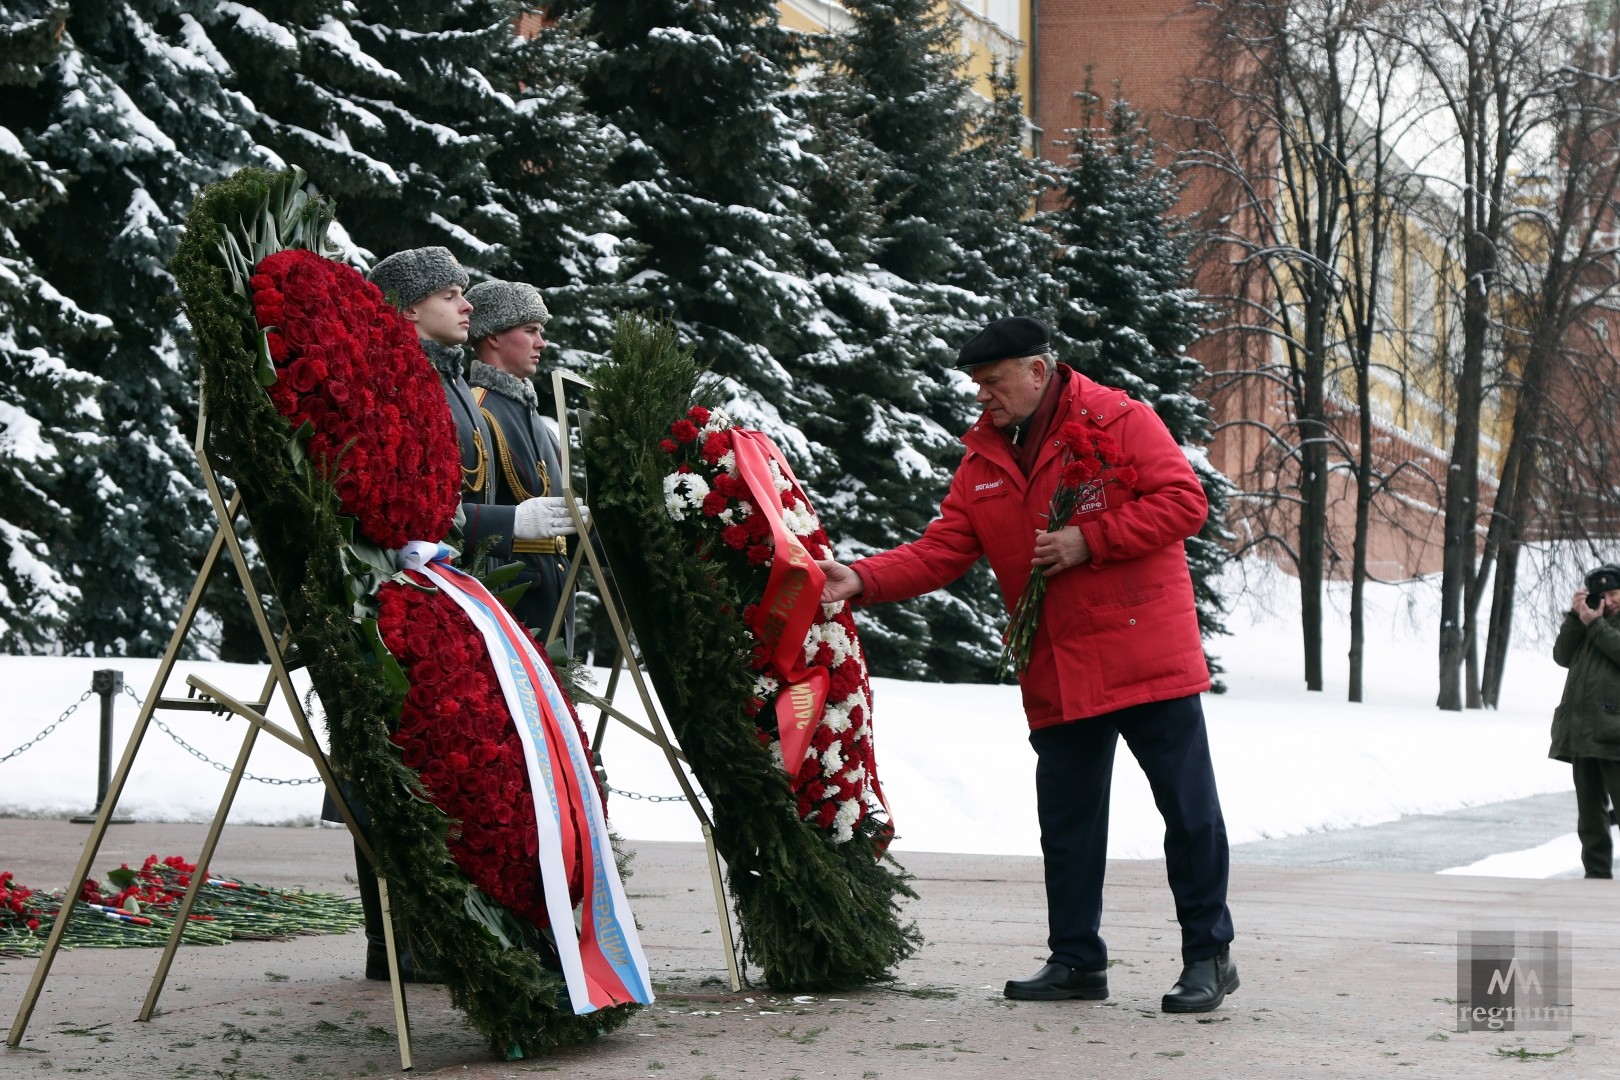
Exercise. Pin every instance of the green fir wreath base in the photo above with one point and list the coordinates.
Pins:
(815, 915)
(320, 577)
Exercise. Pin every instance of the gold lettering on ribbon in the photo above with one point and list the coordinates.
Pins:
(804, 704)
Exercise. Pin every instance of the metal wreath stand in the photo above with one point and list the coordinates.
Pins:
(203, 696)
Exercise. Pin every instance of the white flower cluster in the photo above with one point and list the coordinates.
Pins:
(837, 715)
(849, 811)
(684, 491)
(778, 477)
(843, 826)
(836, 637)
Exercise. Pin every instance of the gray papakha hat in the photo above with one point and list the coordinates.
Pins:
(501, 305)
(407, 276)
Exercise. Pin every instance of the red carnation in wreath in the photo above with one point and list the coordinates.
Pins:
(836, 785)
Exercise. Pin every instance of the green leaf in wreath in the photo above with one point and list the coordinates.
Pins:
(298, 446)
(499, 576)
(265, 370)
(500, 923)
(392, 672)
(510, 596)
(123, 877)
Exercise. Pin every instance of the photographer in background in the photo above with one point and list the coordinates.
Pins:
(1586, 725)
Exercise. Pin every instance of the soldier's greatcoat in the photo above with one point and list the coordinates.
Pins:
(525, 462)
(485, 514)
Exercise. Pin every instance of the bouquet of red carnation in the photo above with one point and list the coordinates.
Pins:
(1091, 460)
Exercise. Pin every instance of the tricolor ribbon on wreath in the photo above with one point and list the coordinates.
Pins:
(603, 963)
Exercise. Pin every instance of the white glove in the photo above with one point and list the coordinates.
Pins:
(546, 517)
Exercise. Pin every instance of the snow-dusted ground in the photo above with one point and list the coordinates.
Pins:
(953, 759)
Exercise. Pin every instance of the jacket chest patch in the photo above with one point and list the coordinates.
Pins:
(989, 489)
(1098, 500)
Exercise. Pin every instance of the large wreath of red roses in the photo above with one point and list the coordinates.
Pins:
(836, 786)
(351, 368)
(381, 434)
(454, 730)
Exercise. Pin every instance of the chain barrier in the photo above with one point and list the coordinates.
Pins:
(636, 796)
(67, 712)
(205, 759)
(129, 692)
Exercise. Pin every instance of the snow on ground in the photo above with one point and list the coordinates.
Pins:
(953, 759)
(1558, 857)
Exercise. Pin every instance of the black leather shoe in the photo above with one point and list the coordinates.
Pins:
(1203, 985)
(1059, 982)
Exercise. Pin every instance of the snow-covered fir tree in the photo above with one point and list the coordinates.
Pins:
(49, 415)
(550, 165)
(952, 190)
(381, 103)
(442, 124)
(1130, 311)
(132, 109)
(706, 181)
(1006, 255)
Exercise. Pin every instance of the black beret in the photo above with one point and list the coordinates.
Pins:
(1020, 335)
(1603, 579)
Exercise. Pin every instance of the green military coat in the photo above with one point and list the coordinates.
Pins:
(1587, 721)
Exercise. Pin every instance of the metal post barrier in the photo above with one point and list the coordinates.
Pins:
(108, 684)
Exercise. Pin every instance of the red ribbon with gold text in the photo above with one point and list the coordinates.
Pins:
(792, 596)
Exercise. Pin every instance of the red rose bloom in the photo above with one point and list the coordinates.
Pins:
(454, 729)
(350, 366)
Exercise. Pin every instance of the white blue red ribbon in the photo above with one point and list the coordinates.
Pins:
(603, 963)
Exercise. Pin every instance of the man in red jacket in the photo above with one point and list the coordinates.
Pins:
(1117, 651)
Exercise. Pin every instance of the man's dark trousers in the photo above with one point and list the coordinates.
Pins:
(1597, 780)
(1073, 774)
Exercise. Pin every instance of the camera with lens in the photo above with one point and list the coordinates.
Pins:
(1600, 581)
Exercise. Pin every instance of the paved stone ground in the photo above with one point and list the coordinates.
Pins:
(1346, 973)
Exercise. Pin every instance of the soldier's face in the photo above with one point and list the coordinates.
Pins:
(1010, 389)
(441, 316)
(515, 351)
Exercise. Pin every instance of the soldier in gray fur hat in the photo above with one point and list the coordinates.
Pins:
(426, 285)
(507, 332)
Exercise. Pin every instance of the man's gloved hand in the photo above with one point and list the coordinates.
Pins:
(544, 518)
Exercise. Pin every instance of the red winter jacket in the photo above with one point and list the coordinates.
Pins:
(1119, 631)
